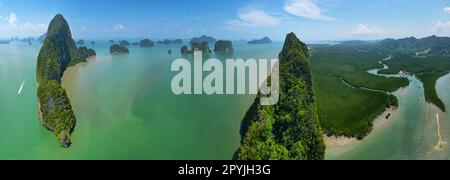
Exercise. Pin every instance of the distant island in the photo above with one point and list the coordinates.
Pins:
(41, 38)
(203, 39)
(223, 46)
(15, 38)
(80, 42)
(265, 40)
(83, 54)
(58, 52)
(196, 47)
(168, 42)
(184, 50)
(146, 43)
(4, 42)
(118, 49)
(124, 43)
(28, 39)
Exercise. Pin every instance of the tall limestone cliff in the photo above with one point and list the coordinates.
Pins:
(57, 53)
(290, 129)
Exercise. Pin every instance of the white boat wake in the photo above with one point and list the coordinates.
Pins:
(21, 88)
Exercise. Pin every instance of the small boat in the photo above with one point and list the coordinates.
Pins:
(21, 88)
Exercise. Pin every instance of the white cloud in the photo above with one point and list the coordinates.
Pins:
(13, 27)
(442, 28)
(447, 10)
(364, 29)
(12, 20)
(306, 8)
(259, 18)
(254, 19)
(119, 27)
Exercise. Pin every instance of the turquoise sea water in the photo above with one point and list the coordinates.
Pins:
(124, 106)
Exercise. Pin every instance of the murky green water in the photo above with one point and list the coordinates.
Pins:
(126, 110)
(124, 106)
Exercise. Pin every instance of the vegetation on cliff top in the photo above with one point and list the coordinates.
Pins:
(57, 53)
(56, 111)
(290, 129)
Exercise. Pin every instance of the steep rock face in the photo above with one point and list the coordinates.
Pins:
(57, 53)
(290, 129)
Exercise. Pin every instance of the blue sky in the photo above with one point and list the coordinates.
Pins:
(230, 19)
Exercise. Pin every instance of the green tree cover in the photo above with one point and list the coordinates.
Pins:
(82, 55)
(57, 53)
(290, 129)
(352, 65)
(344, 110)
(428, 70)
(56, 111)
(429, 80)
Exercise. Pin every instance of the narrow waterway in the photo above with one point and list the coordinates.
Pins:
(414, 132)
